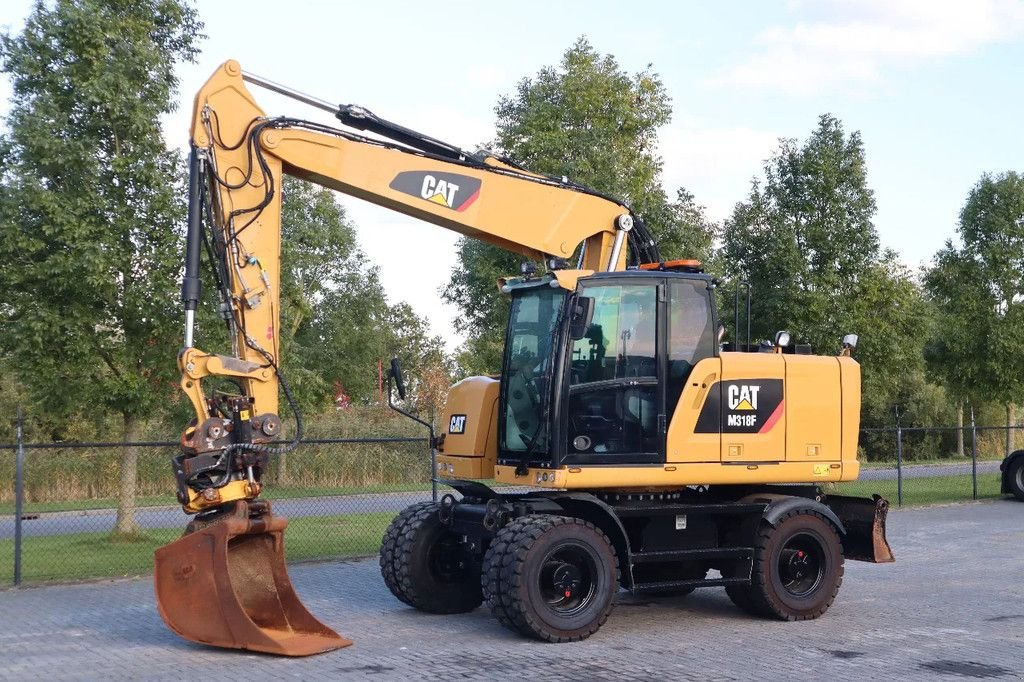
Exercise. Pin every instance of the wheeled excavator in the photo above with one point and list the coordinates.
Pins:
(622, 445)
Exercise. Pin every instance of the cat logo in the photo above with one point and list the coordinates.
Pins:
(457, 192)
(743, 397)
(439, 191)
(457, 424)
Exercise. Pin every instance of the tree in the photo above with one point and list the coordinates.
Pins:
(805, 241)
(91, 210)
(978, 290)
(319, 259)
(337, 322)
(593, 122)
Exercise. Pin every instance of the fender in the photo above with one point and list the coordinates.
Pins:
(780, 505)
(589, 508)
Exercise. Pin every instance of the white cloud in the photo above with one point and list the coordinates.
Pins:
(716, 164)
(856, 43)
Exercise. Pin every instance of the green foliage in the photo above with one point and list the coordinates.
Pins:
(806, 242)
(589, 120)
(978, 290)
(336, 320)
(90, 204)
(805, 239)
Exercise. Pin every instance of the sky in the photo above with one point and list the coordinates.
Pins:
(933, 86)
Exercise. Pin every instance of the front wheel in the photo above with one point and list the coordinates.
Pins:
(552, 578)
(1015, 478)
(798, 568)
(425, 565)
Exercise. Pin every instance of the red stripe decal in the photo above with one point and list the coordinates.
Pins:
(776, 416)
(467, 202)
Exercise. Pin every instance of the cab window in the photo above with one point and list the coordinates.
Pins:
(691, 336)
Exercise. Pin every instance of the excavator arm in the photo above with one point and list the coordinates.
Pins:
(214, 585)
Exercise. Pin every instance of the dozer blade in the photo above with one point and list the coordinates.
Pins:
(864, 519)
(226, 585)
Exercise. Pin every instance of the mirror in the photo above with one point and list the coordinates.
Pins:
(396, 372)
(582, 316)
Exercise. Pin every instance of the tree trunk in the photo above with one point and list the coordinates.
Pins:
(1011, 421)
(126, 524)
(960, 430)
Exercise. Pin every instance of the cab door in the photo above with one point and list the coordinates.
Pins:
(614, 403)
(693, 383)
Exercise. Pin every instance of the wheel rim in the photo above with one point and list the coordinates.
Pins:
(568, 579)
(445, 561)
(802, 565)
(1020, 477)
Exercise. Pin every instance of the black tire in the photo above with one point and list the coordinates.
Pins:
(424, 566)
(1015, 478)
(798, 568)
(529, 564)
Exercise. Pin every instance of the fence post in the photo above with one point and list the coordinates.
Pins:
(19, 493)
(433, 456)
(974, 456)
(899, 465)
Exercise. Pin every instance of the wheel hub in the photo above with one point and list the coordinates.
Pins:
(567, 579)
(801, 565)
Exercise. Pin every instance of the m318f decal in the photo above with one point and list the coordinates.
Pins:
(741, 406)
(457, 192)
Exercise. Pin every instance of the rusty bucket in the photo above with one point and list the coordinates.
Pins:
(226, 585)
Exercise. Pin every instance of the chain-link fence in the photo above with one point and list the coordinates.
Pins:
(59, 501)
(930, 465)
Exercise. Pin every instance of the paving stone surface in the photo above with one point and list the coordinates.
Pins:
(952, 607)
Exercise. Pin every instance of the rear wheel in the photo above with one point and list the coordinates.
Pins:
(798, 568)
(1015, 477)
(425, 566)
(552, 578)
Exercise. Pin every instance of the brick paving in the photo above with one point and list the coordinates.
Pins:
(952, 607)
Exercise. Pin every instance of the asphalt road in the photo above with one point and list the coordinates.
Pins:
(102, 520)
(950, 608)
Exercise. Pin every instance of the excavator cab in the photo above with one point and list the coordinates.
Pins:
(591, 374)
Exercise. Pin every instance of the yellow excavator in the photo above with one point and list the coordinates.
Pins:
(627, 445)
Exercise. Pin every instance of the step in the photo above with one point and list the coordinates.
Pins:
(726, 509)
(679, 584)
(692, 554)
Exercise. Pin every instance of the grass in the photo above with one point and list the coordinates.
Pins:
(98, 555)
(891, 463)
(927, 490)
(269, 493)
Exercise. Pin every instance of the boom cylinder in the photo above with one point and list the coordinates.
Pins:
(191, 287)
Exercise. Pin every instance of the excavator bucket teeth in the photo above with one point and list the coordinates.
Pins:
(226, 585)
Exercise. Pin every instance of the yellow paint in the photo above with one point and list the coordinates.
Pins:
(814, 407)
(568, 279)
(683, 445)
(658, 477)
(476, 399)
(754, 447)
